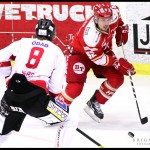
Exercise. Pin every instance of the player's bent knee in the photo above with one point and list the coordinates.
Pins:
(116, 82)
(74, 89)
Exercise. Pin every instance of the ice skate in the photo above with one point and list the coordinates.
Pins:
(93, 109)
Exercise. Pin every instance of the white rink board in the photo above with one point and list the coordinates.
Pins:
(134, 13)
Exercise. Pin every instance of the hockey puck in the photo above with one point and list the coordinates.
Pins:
(131, 134)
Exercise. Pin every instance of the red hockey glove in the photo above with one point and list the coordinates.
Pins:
(121, 35)
(124, 67)
(110, 53)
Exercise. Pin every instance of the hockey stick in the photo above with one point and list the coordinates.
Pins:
(145, 119)
(88, 137)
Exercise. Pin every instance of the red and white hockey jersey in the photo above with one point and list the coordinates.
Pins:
(37, 60)
(94, 44)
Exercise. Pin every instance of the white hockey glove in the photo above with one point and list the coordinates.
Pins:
(58, 108)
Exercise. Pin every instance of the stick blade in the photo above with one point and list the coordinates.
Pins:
(144, 120)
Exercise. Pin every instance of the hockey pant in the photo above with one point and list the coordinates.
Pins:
(22, 98)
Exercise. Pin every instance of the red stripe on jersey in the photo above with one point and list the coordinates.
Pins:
(5, 64)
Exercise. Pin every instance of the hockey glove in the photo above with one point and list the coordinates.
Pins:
(121, 35)
(111, 53)
(124, 67)
(58, 108)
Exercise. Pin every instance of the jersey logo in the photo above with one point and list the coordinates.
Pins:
(79, 68)
(86, 31)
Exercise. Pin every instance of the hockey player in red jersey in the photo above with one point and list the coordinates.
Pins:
(91, 48)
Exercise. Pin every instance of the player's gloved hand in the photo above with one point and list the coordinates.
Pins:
(121, 35)
(110, 53)
(58, 108)
(124, 67)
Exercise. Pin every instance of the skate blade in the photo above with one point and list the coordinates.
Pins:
(90, 112)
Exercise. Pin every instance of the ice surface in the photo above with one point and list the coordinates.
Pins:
(121, 117)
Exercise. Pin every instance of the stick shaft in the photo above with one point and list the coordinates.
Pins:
(133, 89)
(88, 137)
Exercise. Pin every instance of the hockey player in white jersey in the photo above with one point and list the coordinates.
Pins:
(35, 80)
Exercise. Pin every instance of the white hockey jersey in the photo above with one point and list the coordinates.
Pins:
(37, 60)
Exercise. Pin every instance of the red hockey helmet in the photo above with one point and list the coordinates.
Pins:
(102, 10)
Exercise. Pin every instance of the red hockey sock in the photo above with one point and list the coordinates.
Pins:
(105, 93)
